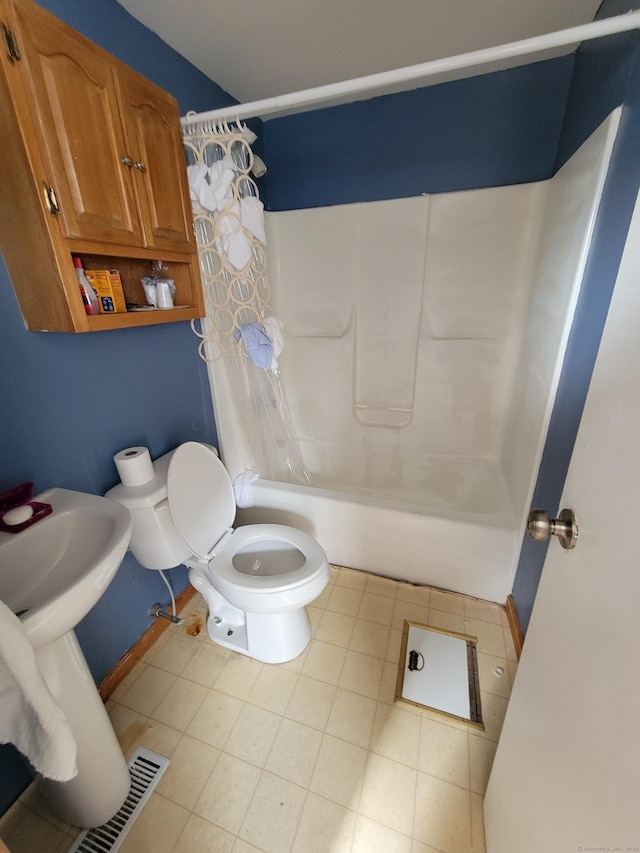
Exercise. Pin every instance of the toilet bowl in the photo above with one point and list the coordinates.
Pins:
(256, 580)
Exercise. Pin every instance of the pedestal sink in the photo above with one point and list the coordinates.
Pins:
(51, 575)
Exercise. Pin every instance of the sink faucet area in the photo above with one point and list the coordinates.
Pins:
(52, 573)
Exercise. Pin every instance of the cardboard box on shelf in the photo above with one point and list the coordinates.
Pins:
(108, 288)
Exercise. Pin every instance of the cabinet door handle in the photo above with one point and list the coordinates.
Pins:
(50, 200)
(126, 161)
(11, 44)
(140, 166)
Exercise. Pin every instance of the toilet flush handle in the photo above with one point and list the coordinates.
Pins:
(541, 527)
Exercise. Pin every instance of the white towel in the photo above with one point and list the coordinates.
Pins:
(197, 175)
(232, 240)
(252, 217)
(273, 327)
(242, 488)
(221, 176)
(210, 187)
(29, 716)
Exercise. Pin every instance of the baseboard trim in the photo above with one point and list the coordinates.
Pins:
(514, 625)
(140, 648)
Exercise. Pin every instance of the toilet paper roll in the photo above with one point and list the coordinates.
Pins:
(134, 466)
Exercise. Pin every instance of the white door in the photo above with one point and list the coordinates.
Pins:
(566, 775)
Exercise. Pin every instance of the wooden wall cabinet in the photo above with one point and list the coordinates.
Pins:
(92, 165)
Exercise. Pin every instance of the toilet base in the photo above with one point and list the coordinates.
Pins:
(267, 637)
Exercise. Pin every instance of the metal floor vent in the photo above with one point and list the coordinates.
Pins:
(146, 769)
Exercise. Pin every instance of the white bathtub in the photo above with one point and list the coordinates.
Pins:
(421, 383)
(464, 552)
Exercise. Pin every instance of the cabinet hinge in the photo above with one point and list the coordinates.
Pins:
(50, 200)
(11, 44)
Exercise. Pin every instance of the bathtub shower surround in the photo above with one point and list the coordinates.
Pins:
(401, 340)
(424, 340)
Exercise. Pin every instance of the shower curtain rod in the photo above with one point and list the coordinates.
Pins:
(376, 84)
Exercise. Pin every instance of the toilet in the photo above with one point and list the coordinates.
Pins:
(256, 579)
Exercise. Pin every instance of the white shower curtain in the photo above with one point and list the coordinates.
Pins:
(229, 226)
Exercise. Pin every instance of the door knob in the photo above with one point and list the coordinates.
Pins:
(540, 527)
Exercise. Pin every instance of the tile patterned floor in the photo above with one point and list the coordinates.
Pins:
(312, 756)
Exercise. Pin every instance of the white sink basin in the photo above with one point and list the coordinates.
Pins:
(52, 573)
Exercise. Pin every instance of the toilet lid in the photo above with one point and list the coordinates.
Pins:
(200, 497)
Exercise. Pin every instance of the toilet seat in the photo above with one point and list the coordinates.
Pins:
(258, 538)
(200, 497)
(202, 505)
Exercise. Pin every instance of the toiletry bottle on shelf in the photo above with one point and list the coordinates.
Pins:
(89, 298)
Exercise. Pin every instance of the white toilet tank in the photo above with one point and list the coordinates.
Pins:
(155, 542)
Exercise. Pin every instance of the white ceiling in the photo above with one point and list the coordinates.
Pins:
(258, 49)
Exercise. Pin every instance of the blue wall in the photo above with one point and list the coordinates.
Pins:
(70, 402)
(491, 130)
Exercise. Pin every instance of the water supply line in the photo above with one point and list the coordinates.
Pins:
(415, 76)
(156, 610)
(168, 585)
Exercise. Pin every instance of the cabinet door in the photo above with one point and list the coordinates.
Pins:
(152, 125)
(75, 96)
